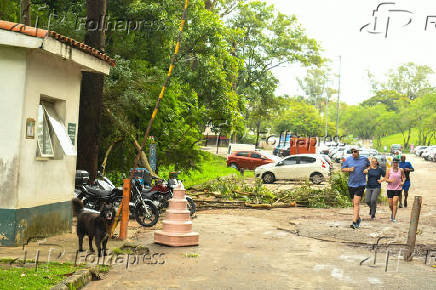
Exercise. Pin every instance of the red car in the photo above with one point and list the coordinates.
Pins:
(248, 159)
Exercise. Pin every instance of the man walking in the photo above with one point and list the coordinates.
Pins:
(407, 167)
(355, 165)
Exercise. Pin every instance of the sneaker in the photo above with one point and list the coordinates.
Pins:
(358, 222)
(353, 226)
(392, 216)
(401, 205)
(405, 203)
(373, 216)
(394, 220)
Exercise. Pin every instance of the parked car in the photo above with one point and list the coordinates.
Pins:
(429, 153)
(249, 159)
(332, 151)
(382, 161)
(426, 153)
(296, 167)
(277, 149)
(240, 147)
(337, 156)
(419, 150)
(396, 148)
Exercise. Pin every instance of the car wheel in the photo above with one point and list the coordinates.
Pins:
(234, 165)
(317, 178)
(268, 178)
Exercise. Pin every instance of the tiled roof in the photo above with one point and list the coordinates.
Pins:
(42, 33)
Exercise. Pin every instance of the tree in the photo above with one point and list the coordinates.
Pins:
(25, 12)
(299, 118)
(410, 80)
(390, 98)
(315, 86)
(91, 95)
(265, 40)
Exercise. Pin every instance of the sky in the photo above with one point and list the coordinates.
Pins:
(399, 36)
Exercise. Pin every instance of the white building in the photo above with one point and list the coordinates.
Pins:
(40, 75)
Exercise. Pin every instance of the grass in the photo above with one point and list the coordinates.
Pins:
(211, 168)
(398, 139)
(191, 255)
(19, 276)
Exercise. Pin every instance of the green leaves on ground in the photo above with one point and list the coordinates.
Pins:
(334, 194)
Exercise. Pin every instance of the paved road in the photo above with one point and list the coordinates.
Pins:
(258, 249)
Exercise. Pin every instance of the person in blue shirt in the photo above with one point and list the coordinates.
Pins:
(355, 165)
(407, 167)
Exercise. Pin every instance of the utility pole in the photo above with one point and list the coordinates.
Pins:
(325, 113)
(339, 93)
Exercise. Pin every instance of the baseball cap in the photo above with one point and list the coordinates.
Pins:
(354, 148)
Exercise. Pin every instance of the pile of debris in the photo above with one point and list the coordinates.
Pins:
(234, 192)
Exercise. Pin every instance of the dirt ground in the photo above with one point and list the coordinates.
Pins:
(288, 248)
(292, 248)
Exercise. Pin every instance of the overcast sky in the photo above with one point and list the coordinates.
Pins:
(336, 25)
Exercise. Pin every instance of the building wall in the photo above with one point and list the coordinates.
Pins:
(36, 193)
(48, 181)
(12, 79)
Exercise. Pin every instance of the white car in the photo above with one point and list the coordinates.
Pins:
(295, 167)
(419, 150)
(426, 153)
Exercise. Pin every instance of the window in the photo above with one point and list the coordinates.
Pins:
(307, 159)
(242, 154)
(291, 161)
(256, 155)
(45, 145)
(52, 135)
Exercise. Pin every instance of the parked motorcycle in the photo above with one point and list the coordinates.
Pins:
(163, 190)
(93, 196)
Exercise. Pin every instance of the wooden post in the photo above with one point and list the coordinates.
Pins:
(414, 220)
(218, 142)
(125, 210)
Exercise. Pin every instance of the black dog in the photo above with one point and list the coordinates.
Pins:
(93, 225)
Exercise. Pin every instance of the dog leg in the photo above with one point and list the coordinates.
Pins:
(98, 244)
(104, 244)
(80, 243)
(91, 249)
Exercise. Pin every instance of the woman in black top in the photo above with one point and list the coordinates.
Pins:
(373, 185)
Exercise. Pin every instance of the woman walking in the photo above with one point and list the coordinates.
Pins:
(373, 185)
(395, 178)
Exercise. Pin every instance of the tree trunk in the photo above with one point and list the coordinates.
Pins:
(25, 12)
(406, 143)
(91, 94)
(257, 133)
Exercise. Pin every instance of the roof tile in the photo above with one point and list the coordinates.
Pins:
(42, 33)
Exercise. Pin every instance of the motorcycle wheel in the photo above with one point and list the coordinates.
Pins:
(148, 216)
(191, 205)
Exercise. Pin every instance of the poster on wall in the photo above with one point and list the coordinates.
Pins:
(153, 158)
(72, 132)
(30, 128)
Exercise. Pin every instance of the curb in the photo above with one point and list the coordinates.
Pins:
(78, 280)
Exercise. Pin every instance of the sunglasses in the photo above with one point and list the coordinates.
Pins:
(354, 151)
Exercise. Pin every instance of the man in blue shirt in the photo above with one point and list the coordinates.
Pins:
(407, 167)
(355, 165)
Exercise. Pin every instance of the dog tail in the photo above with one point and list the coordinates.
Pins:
(77, 206)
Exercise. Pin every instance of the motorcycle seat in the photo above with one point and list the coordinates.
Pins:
(147, 193)
(100, 192)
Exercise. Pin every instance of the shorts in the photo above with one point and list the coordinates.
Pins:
(356, 191)
(392, 193)
(406, 185)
